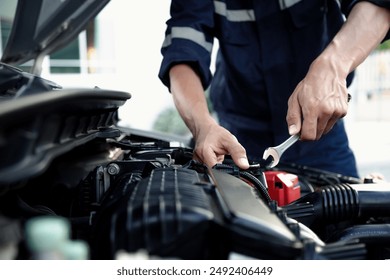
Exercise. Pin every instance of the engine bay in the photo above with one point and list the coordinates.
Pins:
(124, 192)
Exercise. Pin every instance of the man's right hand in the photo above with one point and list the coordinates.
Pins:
(213, 142)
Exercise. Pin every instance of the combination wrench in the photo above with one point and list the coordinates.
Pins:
(277, 152)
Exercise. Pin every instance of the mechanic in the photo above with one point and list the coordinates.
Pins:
(283, 67)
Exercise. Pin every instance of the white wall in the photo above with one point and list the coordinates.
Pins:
(139, 32)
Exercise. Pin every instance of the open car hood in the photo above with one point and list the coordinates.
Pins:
(43, 26)
(29, 103)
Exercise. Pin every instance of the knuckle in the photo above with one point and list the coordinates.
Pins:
(326, 109)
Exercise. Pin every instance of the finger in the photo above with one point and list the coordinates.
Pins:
(309, 128)
(330, 125)
(324, 127)
(197, 158)
(325, 120)
(239, 157)
(237, 152)
(208, 157)
(328, 128)
(294, 116)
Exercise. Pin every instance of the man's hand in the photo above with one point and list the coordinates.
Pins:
(318, 101)
(321, 98)
(213, 142)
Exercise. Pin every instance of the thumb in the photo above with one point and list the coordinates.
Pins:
(238, 154)
(242, 162)
(294, 118)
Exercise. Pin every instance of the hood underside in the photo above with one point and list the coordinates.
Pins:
(43, 26)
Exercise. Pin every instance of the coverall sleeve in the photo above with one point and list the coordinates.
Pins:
(347, 5)
(189, 38)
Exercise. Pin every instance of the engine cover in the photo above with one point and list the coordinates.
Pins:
(179, 213)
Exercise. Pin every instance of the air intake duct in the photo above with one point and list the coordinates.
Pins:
(341, 202)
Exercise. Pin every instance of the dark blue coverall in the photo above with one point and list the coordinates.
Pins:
(265, 49)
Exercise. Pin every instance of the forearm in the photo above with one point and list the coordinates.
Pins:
(365, 28)
(189, 98)
(213, 142)
(320, 99)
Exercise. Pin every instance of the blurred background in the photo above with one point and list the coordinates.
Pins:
(120, 50)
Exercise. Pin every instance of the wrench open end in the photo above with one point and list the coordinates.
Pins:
(277, 152)
(271, 152)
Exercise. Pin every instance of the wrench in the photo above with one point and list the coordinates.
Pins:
(276, 152)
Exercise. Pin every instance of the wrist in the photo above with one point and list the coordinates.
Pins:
(202, 123)
(326, 66)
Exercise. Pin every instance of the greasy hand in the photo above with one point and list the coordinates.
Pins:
(318, 101)
(213, 142)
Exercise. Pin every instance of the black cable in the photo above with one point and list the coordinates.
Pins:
(257, 184)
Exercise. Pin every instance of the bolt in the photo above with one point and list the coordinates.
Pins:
(113, 169)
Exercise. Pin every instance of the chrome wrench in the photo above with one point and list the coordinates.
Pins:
(277, 152)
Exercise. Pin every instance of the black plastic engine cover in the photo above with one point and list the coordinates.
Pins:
(176, 213)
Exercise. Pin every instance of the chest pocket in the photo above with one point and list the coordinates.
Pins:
(234, 23)
(305, 12)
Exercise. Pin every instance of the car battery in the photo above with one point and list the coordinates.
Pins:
(283, 187)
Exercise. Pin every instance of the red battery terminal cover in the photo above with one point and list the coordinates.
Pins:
(283, 187)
